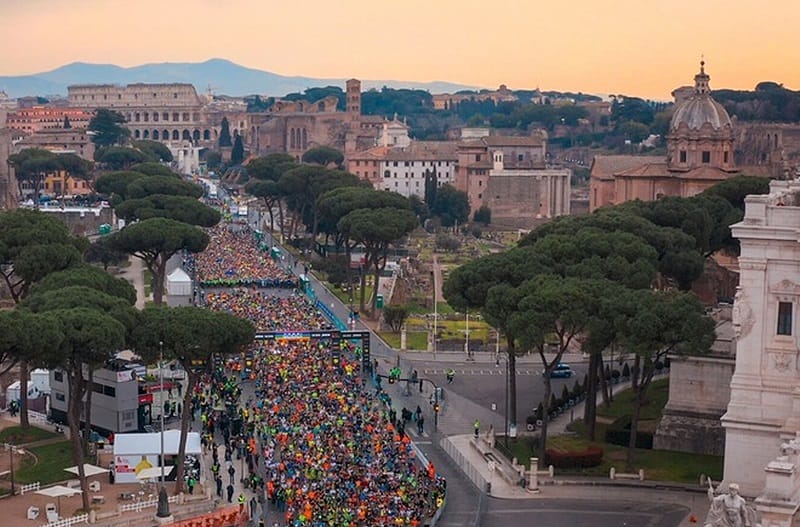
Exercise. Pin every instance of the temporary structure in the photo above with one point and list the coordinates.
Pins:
(57, 491)
(134, 453)
(88, 470)
(154, 473)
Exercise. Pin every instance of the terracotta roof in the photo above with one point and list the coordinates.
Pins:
(706, 173)
(500, 140)
(604, 167)
(646, 170)
(377, 152)
(424, 150)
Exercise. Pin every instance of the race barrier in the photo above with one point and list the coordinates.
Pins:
(29, 487)
(69, 522)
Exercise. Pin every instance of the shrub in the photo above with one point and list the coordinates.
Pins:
(577, 390)
(565, 396)
(619, 433)
(626, 371)
(591, 457)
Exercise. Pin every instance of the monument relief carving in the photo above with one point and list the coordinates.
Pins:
(742, 317)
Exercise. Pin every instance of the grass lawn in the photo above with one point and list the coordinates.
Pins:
(48, 464)
(659, 465)
(415, 340)
(17, 436)
(147, 277)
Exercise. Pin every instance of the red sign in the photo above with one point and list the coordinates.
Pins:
(146, 398)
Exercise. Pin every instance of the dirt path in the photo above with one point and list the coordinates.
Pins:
(437, 278)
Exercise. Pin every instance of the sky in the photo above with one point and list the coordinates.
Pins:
(644, 48)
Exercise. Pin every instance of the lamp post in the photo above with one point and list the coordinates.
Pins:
(11, 449)
(163, 502)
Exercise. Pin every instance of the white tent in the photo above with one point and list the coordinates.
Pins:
(88, 470)
(135, 453)
(179, 283)
(154, 473)
(138, 444)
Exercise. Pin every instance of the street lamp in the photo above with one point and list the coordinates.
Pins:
(505, 407)
(163, 502)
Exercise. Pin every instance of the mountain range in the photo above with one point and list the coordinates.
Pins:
(220, 75)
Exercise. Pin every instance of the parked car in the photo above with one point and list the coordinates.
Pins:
(561, 371)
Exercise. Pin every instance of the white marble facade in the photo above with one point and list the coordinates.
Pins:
(764, 408)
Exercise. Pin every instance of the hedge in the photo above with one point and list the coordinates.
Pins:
(591, 457)
(619, 433)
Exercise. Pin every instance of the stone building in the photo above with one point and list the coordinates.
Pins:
(764, 401)
(447, 101)
(771, 149)
(508, 174)
(699, 395)
(61, 141)
(699, 155)
(162, 112)
(8, 185)
(38, 118)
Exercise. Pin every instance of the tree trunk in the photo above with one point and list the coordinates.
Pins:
(635, 371)
(363, 300)
(23, 395)
(87, 411)
(637, 409)
(548, 390)
(375, 291)
(605, 386)
(76, 388)
(159, 270)
(590, 392)
(512, 382)
(188, 390)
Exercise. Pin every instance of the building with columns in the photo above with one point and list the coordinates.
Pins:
(8, 184)
(509, 175)
(764, 408)
(699, 154)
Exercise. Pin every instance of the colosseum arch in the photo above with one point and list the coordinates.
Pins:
(186, 135)
(176, 135)
(155, 135)
(136, 134)
(165, 135)
(206, 135)
(146, 134)
(196, 135)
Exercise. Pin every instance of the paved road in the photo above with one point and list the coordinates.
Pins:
(470, 397)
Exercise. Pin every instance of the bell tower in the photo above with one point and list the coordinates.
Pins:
(354, 99)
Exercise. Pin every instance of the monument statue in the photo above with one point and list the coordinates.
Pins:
(729, 509)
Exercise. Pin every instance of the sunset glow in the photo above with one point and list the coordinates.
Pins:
(624, 46)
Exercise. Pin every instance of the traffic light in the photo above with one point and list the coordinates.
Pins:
(436, 408)
(391, 379)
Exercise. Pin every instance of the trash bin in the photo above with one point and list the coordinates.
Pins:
(379, 302)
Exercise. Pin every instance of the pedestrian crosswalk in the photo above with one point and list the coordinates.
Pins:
(411, 429)
(481, 371)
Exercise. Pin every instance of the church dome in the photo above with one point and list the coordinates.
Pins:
(700, 108)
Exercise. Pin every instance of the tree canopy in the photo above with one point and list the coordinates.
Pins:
(323, 155)
(181, 208)
(155, 241)
(87, 276)
(108, 128)
(451, 205)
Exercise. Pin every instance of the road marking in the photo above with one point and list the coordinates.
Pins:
(423, 442)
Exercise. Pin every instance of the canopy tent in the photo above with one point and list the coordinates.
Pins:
(179, 283)
(57, 491)
(154, 473)
(135, 453)
(138, 444)
(88, 470)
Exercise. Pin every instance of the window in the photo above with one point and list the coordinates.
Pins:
(109, 391)
(477, 157)
(520, 157)
(97, 388)
(60, 397)
(706, 156)
(58, 376)
(683, 156)
(784, 318)
(725, 157)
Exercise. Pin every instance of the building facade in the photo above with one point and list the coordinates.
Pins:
(764, 403)
(700, 153)
(408, 171)
(115, 398)
(38, 118)
(509, 175)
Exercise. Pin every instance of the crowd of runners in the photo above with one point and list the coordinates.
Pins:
(319, 448)
(267, 311)
(233, 258)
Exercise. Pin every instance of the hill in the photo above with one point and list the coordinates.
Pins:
(225, 76)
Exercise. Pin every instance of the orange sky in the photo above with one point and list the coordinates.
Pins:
(643, 47)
